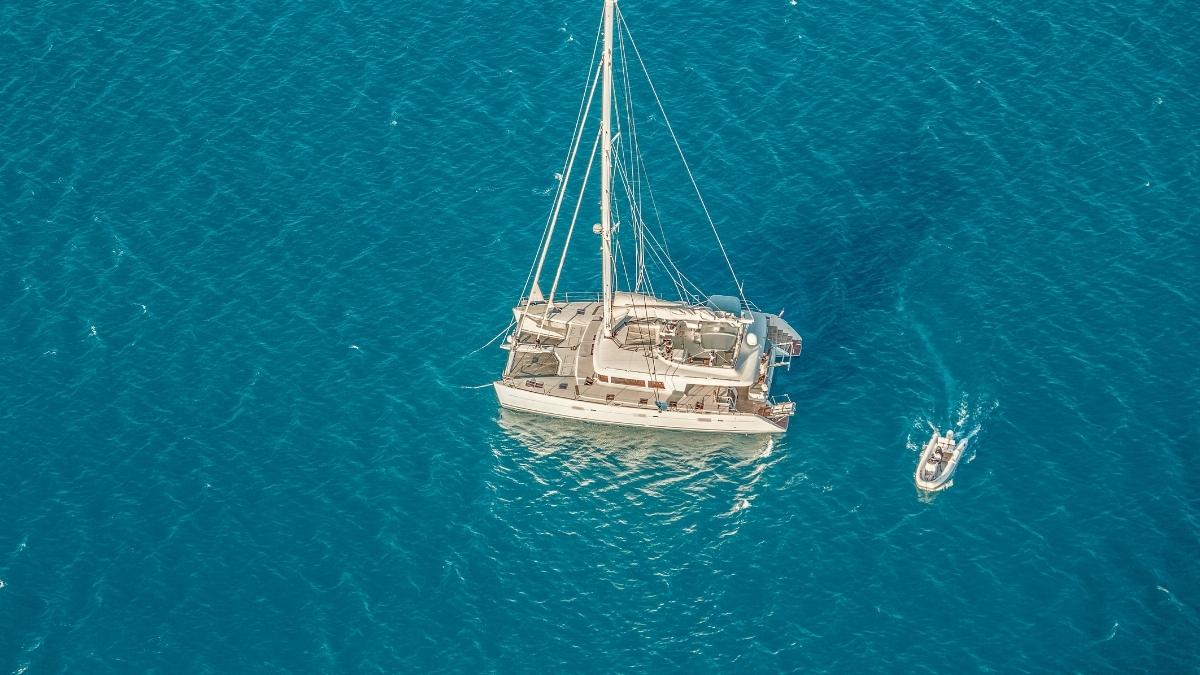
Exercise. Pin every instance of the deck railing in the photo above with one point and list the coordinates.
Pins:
(564, 298)
(781, 406)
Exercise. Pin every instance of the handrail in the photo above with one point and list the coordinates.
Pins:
(571, 297)
(779, 406)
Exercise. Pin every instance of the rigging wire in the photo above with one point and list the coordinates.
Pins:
(654, 207)
(679, 149)
(631, 183)
(678, 278)
(563, 186)
(531, 279)
(571, 230)
(633, 155)
(489, 343)
(577, 134)
(621, 259)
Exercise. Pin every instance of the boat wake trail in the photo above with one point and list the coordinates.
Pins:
(971, 418)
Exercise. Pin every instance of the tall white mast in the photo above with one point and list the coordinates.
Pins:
(606, 168)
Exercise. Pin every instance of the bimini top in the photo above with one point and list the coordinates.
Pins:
(611, 360)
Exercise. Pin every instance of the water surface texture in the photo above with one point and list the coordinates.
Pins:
(248, 248)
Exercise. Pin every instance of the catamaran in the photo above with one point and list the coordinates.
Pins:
(693, 362)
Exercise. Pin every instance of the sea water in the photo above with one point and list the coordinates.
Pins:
(249, 248)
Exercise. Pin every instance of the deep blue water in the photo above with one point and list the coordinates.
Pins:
(247, 245)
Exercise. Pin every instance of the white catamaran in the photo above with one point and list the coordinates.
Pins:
(697, 363)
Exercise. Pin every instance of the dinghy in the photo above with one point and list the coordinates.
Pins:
(938, 461)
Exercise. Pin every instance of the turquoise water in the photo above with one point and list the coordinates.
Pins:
(247, 245)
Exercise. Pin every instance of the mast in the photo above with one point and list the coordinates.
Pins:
(606, 169)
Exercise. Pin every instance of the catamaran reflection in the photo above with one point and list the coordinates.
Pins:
(683, 477)
(583, 440)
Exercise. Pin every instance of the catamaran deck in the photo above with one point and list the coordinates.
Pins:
(564, 368)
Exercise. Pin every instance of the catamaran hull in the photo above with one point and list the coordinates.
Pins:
(603, 413)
